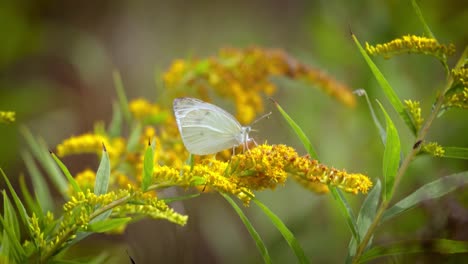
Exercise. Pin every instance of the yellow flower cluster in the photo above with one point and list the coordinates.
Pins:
(458, 95)
(411, 44)
(263, 167)
(415, 111)
(434, 149)
(141, 110)
(85, 180)
(7, 117)
(243, 75)
(457, 99)
(91, 143)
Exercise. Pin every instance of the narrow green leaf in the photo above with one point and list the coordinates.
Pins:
(115, 126)
(108, 224)
(67, 173)
(148, 166)
(134, 138)
(179, 198)
(391, 158)
(366, 215)
(442, 246)
(421, 19)
(102, 174)
(383, 135)
(41, 153)
(287, 234)
(297, 129)
(258, 240)
(41, 190)
(31, 204)
(388, 90)
(346, 211)
(19, 205)
(432, 190)
(119, 87)
(10, 240)
(9, 215)
(456, 152)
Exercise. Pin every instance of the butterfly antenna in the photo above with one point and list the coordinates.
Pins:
(267, 115)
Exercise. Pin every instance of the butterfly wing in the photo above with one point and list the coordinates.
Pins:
(206, 128)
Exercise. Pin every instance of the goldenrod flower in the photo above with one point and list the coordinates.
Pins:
(243, 75)
(458, 95)
(7, 117)
(91, 143)
(434, 149)
(142, 109)
(415, 112)
(411, 44)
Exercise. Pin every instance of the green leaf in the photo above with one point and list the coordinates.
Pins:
(11, 245)
(121, 95)
(456, 152)
(148, 166)
(41, 190)
(258, 240)
(287, 234)
(134, 138)
(42, 154)
(346, 211)
(19, 205)
(383, 135)
(102, 174)
(108, 224)
(31, 204)
(391, 158)
(179, 198)
(366, 215)
(115, 126)
(9, 215)
(67, 173)
(442, 246)
(297, 129)
(427, 30)
(432, 190)
(388, 90)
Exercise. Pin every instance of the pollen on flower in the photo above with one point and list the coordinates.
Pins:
(415, 111)
(411, 44)
(434, 149)
(7, 117)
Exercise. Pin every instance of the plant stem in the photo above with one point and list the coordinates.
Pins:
(401, 171)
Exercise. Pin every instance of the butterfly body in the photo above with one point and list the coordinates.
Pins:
(207, 129)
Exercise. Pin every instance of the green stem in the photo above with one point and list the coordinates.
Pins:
(406, 162)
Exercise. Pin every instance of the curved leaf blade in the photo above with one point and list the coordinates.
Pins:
(391, 158)
(287, 234)
(432, 190)
(387, 88)
(258, 240)
(442, 246)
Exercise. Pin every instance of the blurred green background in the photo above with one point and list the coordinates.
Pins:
(56, 63)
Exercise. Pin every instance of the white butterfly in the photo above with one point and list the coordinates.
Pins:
(206, 128)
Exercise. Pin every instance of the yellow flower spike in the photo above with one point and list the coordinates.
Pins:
(458, 96)
(434, 149)
(7, 117)
(91, 143)
(411, 44)
(415, 111)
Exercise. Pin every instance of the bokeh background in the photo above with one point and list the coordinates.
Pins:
(56, 63)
